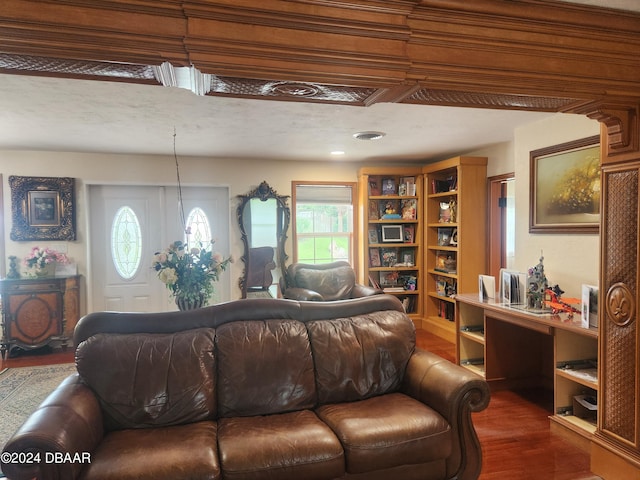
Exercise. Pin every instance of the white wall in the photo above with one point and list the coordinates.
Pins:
(570, 260)
(239, 175)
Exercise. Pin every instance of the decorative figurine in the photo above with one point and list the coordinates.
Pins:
(537, 286)
(13, 267)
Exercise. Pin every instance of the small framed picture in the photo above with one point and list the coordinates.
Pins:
(389, 186)
(409, 209)
(407, 257)
(589, 306)
(374, 185)
(374, 257)
(408, 231)
(373, 235)
(409, 184)
(392, 233)
(453, 241)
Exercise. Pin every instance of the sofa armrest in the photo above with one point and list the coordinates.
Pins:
(360, 290)
(297, 293)
(57, 440)
(454, 392)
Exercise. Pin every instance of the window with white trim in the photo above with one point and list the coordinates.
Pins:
(324, 222)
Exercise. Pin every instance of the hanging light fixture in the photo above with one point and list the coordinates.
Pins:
(189, 78)
(183, 221)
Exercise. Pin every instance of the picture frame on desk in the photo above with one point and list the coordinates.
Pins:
(564, 187)
(513, 287)
(589, 306)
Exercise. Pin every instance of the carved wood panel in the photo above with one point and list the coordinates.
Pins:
(618, 329)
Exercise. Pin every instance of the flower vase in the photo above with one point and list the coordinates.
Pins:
(185, 303)
(48, 270)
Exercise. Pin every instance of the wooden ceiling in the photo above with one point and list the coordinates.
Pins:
(515, 54)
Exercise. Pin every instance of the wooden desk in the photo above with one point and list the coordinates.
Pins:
(38, 311)
(513, 348)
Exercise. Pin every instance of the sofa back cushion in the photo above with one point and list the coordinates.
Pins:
(361, 356)
(149, 380)
(264, 367)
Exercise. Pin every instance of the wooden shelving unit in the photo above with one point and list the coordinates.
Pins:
(391, 231)
(512, 348)
(455, 235)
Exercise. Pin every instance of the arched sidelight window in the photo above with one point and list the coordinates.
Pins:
(126, 242)
(198, 222)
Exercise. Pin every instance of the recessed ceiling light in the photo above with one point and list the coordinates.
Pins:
(371, 135)
(337, 152)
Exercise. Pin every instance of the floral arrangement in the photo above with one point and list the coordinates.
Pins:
(189, 274)
(39, 258)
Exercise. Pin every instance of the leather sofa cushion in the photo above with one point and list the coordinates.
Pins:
(183, 451)
(388, 431)
(289, 446)
(332, 283)
(361, 356)
(150, 380)
(264, 368)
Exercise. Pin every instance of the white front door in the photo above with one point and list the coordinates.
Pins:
(128, 225)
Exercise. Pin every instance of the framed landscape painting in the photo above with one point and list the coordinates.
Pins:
(564, 193)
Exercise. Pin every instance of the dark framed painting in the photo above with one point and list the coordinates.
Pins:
(43, 208)
(564, 191)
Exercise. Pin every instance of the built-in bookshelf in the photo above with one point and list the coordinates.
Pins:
(391, 227)
(455, 229)
(513, 348)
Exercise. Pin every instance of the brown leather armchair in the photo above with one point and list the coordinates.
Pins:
(324, 282)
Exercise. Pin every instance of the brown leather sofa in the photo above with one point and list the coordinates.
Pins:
(255, 389)
(324, 282)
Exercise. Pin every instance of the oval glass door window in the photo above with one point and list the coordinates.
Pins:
(126, 242)
(198, 224)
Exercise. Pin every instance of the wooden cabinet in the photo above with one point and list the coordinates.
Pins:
(38, 311)
(512, 348)
(455, 237)
(391, 229)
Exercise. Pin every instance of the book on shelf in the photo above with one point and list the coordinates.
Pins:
(393, 289)
(407, 186)
(445, 262)
(409, 209)
(446, 287)
(444, 216)
(374, 212)
(374, 235)
(445, 234)
(389, 186)
(374, 186)
(446, 310)
(390, 209)
(374, 257)
(408, 233)
(448, 184)
(408, 303)
(389, 257)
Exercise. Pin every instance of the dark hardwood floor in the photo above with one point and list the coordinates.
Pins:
(515, 435)
(514, 430)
